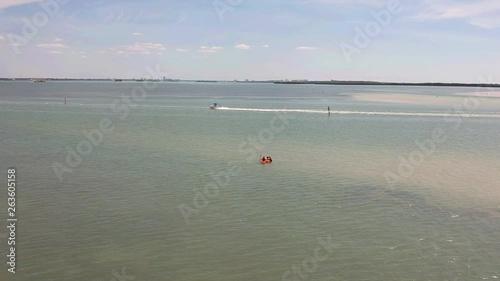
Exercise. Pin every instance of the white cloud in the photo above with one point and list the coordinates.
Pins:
(265, 46)
(137, 34)
(243, 47)
(52, 46)
(306, 48)
(2, 38)
(58, 40)
(11, 3)
(487, 23)
(145, 47)
(182, 50)
(377, 3)
(444, 36)
(55, 52)
(137, 48)
(206, 49)
(481, 13)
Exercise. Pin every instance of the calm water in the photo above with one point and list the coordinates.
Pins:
(120, 208)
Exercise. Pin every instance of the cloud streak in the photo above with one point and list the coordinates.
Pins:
(12, 3)
(207, 49)
(483, 14)
(376, 3)
(243, 47)
(52, 46)
(307, 48)
(139, 48)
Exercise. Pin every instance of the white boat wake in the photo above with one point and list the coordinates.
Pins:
(383, 113)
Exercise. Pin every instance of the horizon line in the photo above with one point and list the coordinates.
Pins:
(276, 81)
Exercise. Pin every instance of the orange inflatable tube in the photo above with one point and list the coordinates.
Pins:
(265, 161)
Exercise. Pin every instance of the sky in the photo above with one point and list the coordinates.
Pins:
(378, 40)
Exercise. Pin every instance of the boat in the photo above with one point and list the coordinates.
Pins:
(215, 106)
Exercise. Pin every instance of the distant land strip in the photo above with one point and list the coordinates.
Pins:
(373, 83)
(289, 82)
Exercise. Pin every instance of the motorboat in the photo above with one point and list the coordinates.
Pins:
(215, 106)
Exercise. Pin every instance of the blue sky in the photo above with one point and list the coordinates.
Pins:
(421, 40)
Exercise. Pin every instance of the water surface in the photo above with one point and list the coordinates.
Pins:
(119, 208)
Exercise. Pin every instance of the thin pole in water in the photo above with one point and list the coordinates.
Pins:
(329, 114)
(64, 101)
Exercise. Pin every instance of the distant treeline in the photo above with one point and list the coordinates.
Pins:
(372, 83)
(51, 79)
(104, 80)
(89, 80)
(302, 82)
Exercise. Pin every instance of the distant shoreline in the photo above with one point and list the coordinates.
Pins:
(373, 83)
(283, 82)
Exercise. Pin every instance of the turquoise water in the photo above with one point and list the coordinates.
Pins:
(120, 207)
